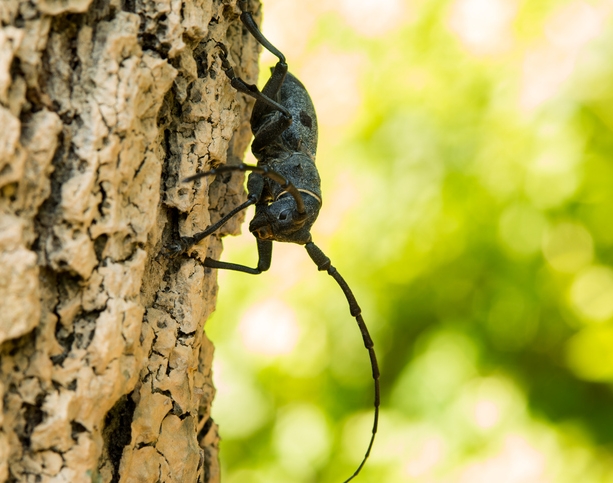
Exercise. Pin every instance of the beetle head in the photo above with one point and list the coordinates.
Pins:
(280, 220)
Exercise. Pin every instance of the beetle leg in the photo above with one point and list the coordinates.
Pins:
(251, 89)
(264, 259)
(271, 129)
(273, 85)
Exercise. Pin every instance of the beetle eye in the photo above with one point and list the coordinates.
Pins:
(284, 214)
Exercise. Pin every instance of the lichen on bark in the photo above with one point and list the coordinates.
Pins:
(105, 106)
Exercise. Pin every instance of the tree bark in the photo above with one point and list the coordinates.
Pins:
(105, 106)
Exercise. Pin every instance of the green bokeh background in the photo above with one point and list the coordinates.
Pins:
(466, 157)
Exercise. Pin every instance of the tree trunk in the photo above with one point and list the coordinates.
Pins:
(105, 105)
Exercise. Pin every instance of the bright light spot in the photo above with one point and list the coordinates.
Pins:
(302, 438)
(552, 176)
(483, 26)
(550, 189)
(372, 18)
(549, 65)
(269, 328)
(428, 455)
(545, 70)
(592, 294)
(517, 462)
(291, 37)
(239, 407)
(342, 198)
(521, 227)
(589, 353)
(558, 161)
(332, 80)
(568, 247)
(288, 267)
(488, 401)
(445, 365)
(573, 25)
(486, 414)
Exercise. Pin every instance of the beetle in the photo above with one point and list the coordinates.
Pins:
(285, 184)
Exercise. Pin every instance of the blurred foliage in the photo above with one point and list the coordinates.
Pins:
(465, 151)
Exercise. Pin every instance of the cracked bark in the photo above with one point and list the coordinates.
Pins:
(105, 105)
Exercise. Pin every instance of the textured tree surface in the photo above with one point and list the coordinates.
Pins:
(105, 105)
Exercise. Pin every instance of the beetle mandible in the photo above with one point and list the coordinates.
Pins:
(285, 184)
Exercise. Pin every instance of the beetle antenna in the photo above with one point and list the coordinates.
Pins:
(323, 263)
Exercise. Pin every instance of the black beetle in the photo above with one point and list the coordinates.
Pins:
(285, 184)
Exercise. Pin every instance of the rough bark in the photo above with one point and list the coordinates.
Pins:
(105, 105)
